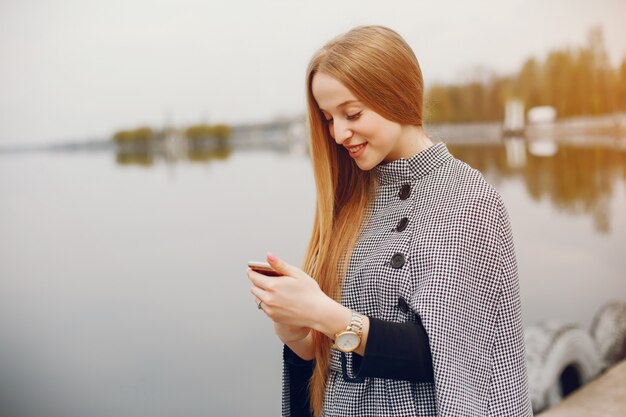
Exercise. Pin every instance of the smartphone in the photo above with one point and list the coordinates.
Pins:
(263, 268)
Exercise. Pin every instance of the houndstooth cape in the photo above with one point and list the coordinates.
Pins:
(459, 276)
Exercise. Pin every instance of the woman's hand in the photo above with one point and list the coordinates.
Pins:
(293, 300)
(290, 334)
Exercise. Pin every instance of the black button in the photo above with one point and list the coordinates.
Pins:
(405, 192)
(402, 224)
(397, 261)
(403, 305)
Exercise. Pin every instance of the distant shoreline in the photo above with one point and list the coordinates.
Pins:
(571, 128)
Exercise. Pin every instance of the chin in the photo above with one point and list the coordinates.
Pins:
(365, 165)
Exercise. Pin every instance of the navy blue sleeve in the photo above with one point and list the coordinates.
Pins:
(396, 351)
(300, 372)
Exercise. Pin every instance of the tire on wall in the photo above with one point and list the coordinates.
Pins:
(560, 358)
(608, 329)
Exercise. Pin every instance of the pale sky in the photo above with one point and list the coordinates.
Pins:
(82, 69)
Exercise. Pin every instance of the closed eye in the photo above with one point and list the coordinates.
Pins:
(353, 116)
(348, 117)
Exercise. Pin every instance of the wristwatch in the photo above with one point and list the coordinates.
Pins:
(349, 340)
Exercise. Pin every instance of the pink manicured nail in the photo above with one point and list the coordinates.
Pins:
(271, 257)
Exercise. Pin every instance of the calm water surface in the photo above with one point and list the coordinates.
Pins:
(122, 281)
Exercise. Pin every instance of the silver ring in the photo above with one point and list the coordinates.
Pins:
(259, 305)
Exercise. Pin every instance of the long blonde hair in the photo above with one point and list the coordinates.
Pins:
(381, 70)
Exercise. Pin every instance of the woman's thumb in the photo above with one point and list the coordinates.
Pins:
(278, 264)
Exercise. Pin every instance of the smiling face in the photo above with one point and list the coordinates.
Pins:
(358, 128)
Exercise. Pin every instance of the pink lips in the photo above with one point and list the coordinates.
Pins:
(360, 152)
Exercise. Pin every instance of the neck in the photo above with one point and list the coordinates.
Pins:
(414, 141)
(421, 139)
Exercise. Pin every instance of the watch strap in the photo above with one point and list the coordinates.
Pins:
(356, 325)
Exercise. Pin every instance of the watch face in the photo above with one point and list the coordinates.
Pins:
(348, 341)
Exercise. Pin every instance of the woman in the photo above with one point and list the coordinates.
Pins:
(408, 300)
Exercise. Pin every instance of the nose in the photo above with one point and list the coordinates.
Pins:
(341, 133)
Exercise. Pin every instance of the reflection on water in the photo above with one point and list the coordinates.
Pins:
(147, 159)
(577, 180)
(209, 155)
(122, 276)
(171, 151)
(136, 158)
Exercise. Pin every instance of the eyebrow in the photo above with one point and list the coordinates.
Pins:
(343, 104)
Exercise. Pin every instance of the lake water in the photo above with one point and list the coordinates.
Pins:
(123, 289)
